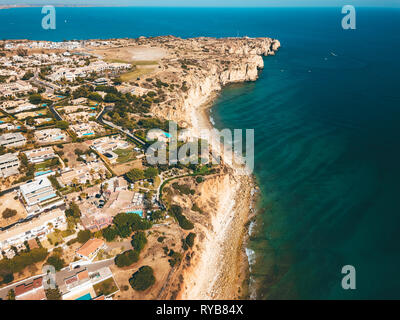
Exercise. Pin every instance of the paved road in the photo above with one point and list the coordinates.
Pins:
(130, 135)
(60, 276)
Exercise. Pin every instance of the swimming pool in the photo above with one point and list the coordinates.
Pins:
(88, 134)
(87, 296)
(40, 173)
(139, 212)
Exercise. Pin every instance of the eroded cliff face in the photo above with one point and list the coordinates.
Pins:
(238, 60)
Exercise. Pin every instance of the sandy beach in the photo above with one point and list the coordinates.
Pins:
(221, 268)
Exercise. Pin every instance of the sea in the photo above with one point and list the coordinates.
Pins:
(326, 115)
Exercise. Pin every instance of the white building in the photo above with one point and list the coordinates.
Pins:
(107, 144)
(37, 227)
(38, 195)
(50, 135)
(40, 155)
(11, 140)
(9, 164)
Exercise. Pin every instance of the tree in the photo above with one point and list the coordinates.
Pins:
(135, 175)
(11, 295)
(157, 215)
(139, 240)
(56, 262)
(142, 279)
(176, 258)
(95, 97)
(62, 124)
(35, 98)
(109, 233)
(126, 258)
(8, 213)
(73, 211)
(199, 179)
(189, 241)
(27, 75)
(151, 173)
(53, 294)
(84, 236)
(184, 223)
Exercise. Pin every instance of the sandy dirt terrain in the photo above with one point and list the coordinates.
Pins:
(8, 201)
(131, 54)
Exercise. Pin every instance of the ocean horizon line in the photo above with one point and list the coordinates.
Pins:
(10, 6)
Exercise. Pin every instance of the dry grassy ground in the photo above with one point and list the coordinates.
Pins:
(7, 201)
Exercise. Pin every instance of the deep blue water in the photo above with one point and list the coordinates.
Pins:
(326, 117)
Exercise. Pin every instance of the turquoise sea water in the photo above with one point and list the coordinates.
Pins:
(326, 117)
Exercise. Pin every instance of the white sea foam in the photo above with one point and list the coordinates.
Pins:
(212, 121)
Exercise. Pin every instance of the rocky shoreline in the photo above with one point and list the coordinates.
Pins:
(220, 269)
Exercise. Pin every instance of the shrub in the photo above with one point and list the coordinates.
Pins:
(8, 213)
(56, 262)
(84, 236)
(126, 258)
(182, 188)
(184, 223)
(189, 241)
(176, 258)
(142, 279)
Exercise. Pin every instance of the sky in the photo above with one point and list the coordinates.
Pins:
(213, 3)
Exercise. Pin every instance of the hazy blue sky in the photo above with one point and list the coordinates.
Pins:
(214, 3)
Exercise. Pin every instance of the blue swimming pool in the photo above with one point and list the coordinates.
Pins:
(48, 197)
(87, 296)
(88, 134)
(40, 173)
(139, 212)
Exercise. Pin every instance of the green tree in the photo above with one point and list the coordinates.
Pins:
(189, 241)
(56, 262)
(139, 241)
(84, 236)
(11, 295)
(151, 173)
(95, 97)
(27, 75)
(53, 294)
(35, 98)
(126, 258)
(62, 124)
(184, 223)
(73, 211)
(142, 279)
(109, 233)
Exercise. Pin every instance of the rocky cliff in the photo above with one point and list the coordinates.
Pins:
(214, 65)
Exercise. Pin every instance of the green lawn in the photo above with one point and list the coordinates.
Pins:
(48, 164)
(105, 287)
(125, 155)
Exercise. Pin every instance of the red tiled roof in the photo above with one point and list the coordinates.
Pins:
(89, 247)
(83, 275)
(24, 288)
